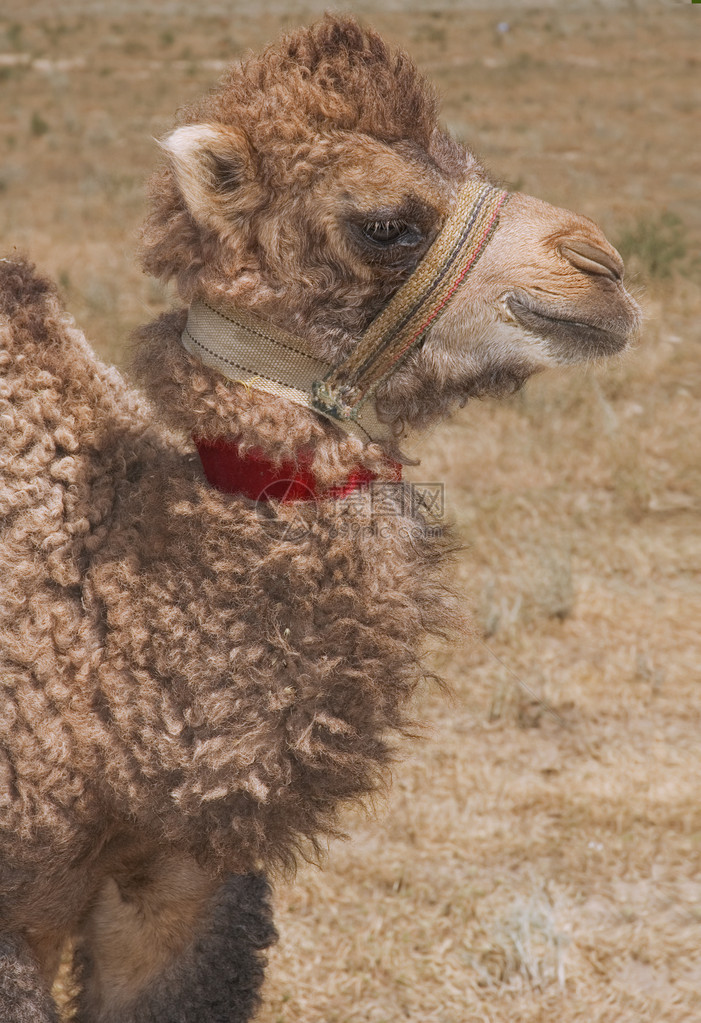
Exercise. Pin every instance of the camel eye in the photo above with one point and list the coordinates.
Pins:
(387, 232)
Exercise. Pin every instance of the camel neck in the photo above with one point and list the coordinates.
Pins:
(259, 355)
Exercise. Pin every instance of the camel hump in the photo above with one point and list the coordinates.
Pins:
(37, 336)
(48, 372)
(34, 329)
(23, 291)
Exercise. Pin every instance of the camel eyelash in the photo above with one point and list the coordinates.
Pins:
(390, 231)
(385, 230)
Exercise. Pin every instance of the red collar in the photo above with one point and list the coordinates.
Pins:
(254, 476)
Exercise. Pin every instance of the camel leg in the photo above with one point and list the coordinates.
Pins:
(171, 945)
(24, 995)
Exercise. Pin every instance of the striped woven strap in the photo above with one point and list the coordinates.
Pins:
(253, 352)
(417, 305)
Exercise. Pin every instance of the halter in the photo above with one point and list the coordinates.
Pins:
(258, 354)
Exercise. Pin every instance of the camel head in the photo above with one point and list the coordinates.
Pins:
(309, 186)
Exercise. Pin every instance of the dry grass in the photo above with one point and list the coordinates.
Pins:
(529, 864)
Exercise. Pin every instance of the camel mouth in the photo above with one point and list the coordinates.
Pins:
(573, 339)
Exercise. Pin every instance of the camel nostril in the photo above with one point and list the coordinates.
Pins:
(591, 259)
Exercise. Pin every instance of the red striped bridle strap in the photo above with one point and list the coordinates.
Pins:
(417, 305)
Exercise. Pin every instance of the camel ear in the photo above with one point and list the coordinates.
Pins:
(212, 164)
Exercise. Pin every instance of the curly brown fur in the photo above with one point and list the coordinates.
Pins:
(298, 111)
(191, 684)
(225, 701)
(24, 996)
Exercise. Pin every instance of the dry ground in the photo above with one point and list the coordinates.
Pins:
(530, 864)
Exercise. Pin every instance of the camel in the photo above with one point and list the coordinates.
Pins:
(192, 689)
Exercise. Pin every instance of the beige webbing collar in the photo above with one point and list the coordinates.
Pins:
(249, 350)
